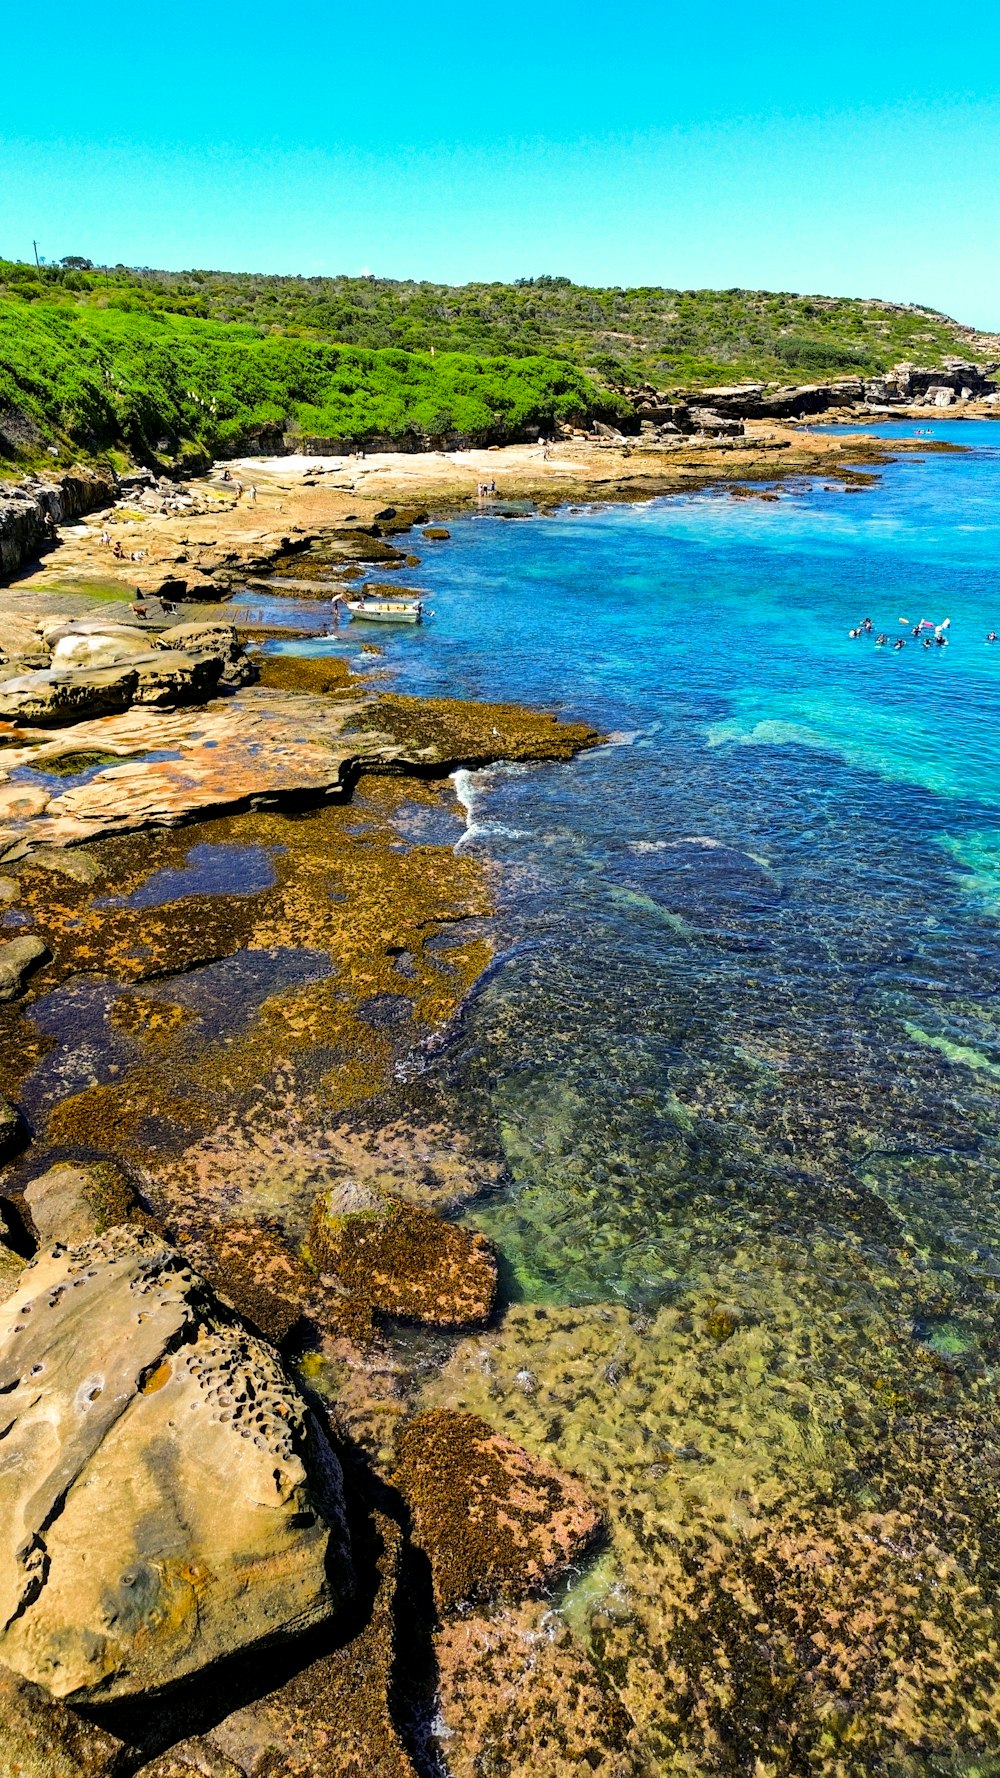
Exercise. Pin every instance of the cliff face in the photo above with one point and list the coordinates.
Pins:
(30, 511)
(905, 383)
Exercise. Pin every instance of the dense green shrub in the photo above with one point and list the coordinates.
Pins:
(103, 374)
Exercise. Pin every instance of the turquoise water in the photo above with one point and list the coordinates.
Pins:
(741, 1058)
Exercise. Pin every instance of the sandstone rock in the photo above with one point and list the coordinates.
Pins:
(402, 1259)
(494, 1521)
(72, 1203)
(166, 1497)
(171, 677)
(19, 958)
(193, 759)
(110, 649)
(66, 696)
(40, 1738)
(332, 1720)
(437, 533)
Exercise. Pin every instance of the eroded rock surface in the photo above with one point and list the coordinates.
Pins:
(165, 1496)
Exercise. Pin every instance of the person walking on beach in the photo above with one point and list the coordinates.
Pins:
(253, 495)
(239, 490)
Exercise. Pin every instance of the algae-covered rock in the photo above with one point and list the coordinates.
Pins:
(11, 1128)
(166, 1497)
(40, 1738)
(70, 1203)
(494, 1521)
(437, 533)
(400, 1258)
(19, 958)
(517, 1693)
(252, 1267)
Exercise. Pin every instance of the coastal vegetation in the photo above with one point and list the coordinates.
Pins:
(180, 363)
(95, 376)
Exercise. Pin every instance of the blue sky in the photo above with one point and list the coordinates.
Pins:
(852, 149)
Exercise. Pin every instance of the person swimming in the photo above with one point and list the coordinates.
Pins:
(867, 626)
(992, 636)
(941, 641)
(854, 633)
(881, 639)
(900, 642)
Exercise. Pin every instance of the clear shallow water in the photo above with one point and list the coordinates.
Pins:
(743, 1059)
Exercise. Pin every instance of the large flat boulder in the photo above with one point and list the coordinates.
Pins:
(166, 1497)
(66, 694)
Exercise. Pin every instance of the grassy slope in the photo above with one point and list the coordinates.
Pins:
(120, 356)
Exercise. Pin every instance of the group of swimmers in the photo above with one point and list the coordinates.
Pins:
(937, 640)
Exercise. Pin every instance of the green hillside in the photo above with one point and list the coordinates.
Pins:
(95, 376)
(674, 338)
(171, 363)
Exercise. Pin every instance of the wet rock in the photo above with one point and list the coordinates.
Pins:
(437, 533)
(252, 1267)
(64, 695)
(402, 1259)
(166, 1497)
(11, 1128)
(494, 1521)
(517, 1693)
(74, 1203)
(40, 1738)
(11, 1262)
(75, 863)
(19, 958)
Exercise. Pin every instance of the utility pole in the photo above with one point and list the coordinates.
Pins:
(37, 260)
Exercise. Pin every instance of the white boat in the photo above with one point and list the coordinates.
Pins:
(387, 611)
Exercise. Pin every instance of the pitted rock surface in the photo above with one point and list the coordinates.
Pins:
(165, 1496)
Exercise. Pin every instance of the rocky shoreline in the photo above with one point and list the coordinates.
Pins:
(218, 1509)
(232, 1547)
